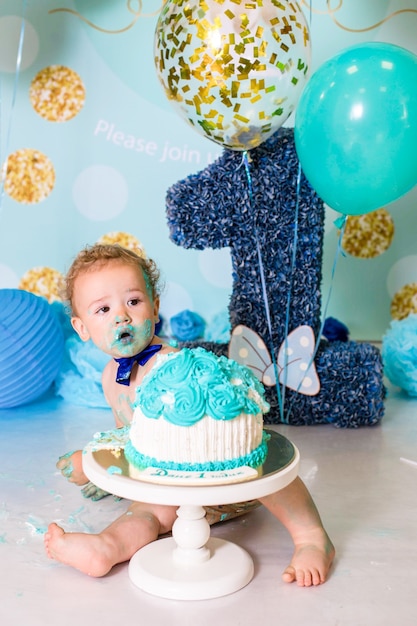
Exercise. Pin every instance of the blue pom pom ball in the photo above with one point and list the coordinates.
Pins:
(399, 354)
(187, 326)
(31, 347)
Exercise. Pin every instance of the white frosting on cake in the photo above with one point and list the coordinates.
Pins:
(206, 441)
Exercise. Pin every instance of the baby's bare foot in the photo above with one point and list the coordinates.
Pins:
(311, 560)
(90, 554)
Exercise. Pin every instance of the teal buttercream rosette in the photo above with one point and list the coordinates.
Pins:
(192, 383)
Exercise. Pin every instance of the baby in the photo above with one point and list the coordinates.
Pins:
(114, 299)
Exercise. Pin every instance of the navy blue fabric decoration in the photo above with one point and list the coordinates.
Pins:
(159, 326)
(126, 363)
(334, 330)
(212, 209)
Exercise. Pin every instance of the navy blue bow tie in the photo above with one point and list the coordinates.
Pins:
(126, 363)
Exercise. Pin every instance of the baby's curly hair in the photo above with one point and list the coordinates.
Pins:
(100, 254)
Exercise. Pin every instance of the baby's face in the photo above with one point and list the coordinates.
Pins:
(115, 309)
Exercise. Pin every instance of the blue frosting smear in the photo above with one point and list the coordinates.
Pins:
(254, 459)
(113, 469)
(192, 383)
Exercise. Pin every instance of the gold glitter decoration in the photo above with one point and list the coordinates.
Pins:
(233, 69)
(126, 240)
(30, 176)
(404, 302)
(45, 282)
(57, 93)
(367, 236)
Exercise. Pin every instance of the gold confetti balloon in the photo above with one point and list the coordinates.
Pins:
(233, 69)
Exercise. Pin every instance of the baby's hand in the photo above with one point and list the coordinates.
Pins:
(71, 467)
(95, 493)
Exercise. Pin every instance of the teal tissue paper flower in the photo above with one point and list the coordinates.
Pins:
(399, 354)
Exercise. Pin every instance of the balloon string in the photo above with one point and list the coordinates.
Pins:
(263, 285)
(13, 103)
(290, 286)
(285, 417)
(339, 250)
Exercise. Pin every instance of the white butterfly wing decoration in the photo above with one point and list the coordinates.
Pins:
(295, 360)
(296, 369)
(247, 348)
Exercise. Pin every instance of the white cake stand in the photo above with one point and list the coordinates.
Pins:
(191, 565)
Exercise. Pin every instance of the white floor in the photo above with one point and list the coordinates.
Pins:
(360, 479)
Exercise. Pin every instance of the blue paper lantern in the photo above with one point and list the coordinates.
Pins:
(31, 347)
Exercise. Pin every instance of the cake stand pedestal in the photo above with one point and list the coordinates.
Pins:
(191, 565)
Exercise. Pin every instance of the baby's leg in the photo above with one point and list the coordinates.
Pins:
(313, 550)
(95, 555)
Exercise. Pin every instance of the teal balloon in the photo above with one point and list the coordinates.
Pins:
(356, 127)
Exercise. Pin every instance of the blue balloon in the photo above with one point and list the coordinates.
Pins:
(356, 127)
(31, 347)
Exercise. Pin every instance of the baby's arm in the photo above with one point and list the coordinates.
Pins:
(71, 464)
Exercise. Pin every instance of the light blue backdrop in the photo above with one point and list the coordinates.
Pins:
(117, 157)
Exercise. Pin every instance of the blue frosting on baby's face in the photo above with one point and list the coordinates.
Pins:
(191, 384)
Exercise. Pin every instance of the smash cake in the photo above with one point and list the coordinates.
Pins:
(197, 412)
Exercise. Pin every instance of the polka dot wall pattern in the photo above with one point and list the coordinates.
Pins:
(367, 236)
(30, 176)
(57, 93)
